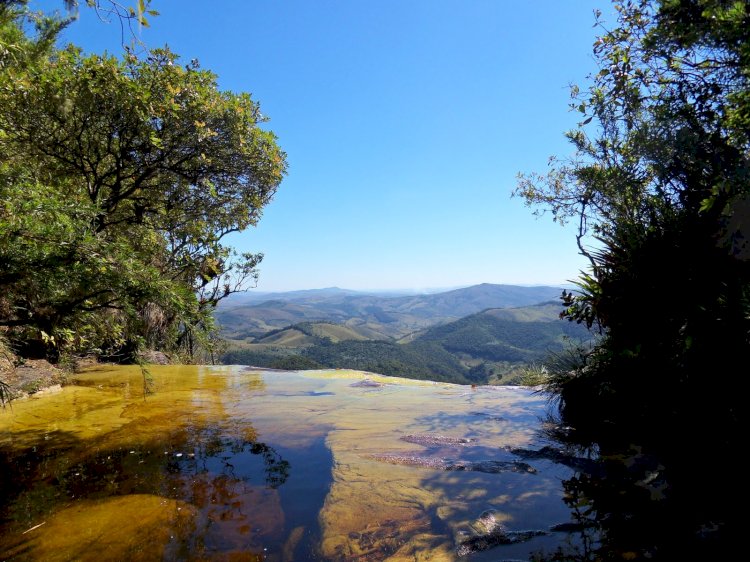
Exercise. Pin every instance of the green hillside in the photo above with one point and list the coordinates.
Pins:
(525, 334)
(384, 317)
(288, 337)
(489, 347)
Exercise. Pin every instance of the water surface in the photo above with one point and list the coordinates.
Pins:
(225, 463)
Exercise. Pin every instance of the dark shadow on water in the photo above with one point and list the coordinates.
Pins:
(676, 495)
(303, 496)
(529, 504)
(680, 501)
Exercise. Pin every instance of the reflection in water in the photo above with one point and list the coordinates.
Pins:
(631, 505)
(212, 471)
(677, 502)
(226, 464)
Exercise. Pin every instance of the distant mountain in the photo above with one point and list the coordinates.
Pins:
(489, 346)
(255, 297)
(461, 302)
(387, 315)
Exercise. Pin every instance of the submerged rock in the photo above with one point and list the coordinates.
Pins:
(493, 467)
(573, 526)
(367, 383)
(559, 456)
(434, 439)
(489, 416)
(437, 463)
(490, 532)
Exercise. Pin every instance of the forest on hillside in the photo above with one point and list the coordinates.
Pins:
(495, 346)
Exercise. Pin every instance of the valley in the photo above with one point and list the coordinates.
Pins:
(484, 334)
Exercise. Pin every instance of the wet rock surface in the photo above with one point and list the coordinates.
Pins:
(490, 532)
(328, 500)
(437, 440)
(437, 463)
(367, 383)
(490, 416)
(559, 456)
(573, 526)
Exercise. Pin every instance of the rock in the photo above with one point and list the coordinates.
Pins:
(437, 463)
(412, 460)
(559, 456)
(155, 357)
(487, 522)
(31, 377)
(489, 416)
(433, 439)
(573, 526)
(491, 533)
(493, 467)
(367, 383)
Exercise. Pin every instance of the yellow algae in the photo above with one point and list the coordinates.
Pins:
(373, 507)
(280, 464)
(350, 374)
(134, 527)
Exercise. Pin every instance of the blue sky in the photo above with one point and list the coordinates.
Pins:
(405, 123)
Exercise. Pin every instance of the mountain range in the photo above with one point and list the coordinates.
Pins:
(480, 334)
(381, 317)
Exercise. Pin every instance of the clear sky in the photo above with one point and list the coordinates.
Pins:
(405, 123)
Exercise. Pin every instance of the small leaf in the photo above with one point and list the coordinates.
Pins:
(706, 204)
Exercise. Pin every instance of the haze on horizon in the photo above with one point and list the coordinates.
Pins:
(405, 125)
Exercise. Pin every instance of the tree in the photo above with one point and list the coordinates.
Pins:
(120, 180)
(659, 180)
(658, 186)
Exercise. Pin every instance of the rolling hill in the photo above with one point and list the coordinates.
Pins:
(513, 335)
(381, 316)
(490, 346)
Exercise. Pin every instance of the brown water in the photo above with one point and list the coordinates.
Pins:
(223, 463)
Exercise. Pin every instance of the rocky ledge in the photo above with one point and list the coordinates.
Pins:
(436, 440)
(488, 533)
(438, 463)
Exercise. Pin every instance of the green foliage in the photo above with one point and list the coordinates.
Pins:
(119, 180)
(660, 180)
(238, 356)
(416, 362)
(534, 375)
(295, 363)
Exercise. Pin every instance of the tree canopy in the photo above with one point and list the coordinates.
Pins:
(659, 187)
(120, 179)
